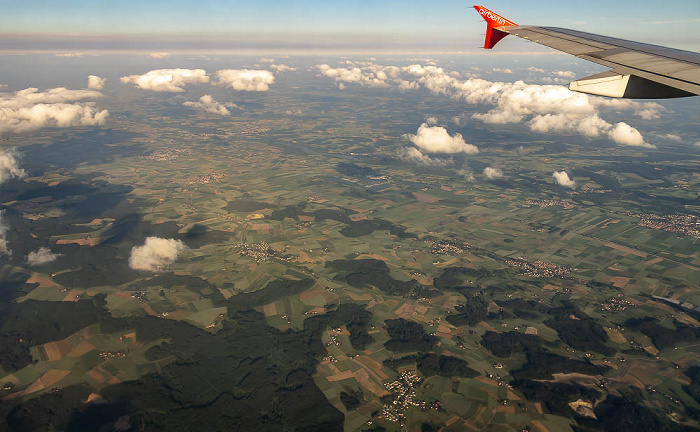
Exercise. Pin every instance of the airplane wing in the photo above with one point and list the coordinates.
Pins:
(638, 70)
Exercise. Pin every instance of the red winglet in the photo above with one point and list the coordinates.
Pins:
(493, 21)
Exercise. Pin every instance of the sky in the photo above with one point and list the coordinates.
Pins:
(445, 25)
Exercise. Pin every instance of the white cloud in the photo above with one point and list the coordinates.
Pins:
(9, 166)
(95, 82)
(246, 79)
(282, 68)
(431, 120)
(30, 109)
(650, 113)
(673, 137)
(167, 80)
(545, 108)
(624, 134)
(156, 254)
(493, 173)
(266, 60)
(564, 74)
(208, 104)
(41, 256)
(550, 80)
(4, 246)
(590, 126)
(562, 179)
(467, 174)
(366, 77)
(436, 139)
(505, 71)
(158, 55)
(71, 54)
(412, 154)
(697, 144)
(408, 85)
(516, 102)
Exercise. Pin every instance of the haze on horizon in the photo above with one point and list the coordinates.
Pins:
(313, 26)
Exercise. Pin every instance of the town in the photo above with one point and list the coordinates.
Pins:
(685, 225)
(540, 268)
(404, 397)
(544, 203)
(260, 252)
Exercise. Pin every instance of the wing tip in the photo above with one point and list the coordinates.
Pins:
(493, 24)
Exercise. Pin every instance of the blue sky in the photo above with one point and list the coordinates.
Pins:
(424, 23)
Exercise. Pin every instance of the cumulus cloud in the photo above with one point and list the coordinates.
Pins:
(156, 254)
(158, 55)
(9, 166)
(356, 75)
(95, 82)
(505, 71)
(562, 179)
(650, 113)
(208, 104)
(548, 108)
(550, 80)
(534, 69)
(282, 68)
(697, 144)
(544, 108)
(625, 134)
(431, 120)
(564, 74)
(413, 155)
(167, 80)
(30, 109)
(408, 85)
(436, 139)
(70, 54)
(590, 126)
(557, 73)
(41, 256)
(246, 79)
(4, 246)
(467, 175)
(673, 137)
(459, 120)
(493, 173)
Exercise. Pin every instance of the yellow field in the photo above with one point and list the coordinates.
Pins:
(70, 296)
(540, 427)
(340, 376)
(53, 352)
(52, 376)
(42, 281)
(626, 250)
(615, 336)
(270, 309)
(82, 348)
(97, 375)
